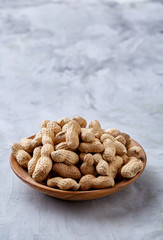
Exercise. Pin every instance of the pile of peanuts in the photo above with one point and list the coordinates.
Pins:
(66, 154)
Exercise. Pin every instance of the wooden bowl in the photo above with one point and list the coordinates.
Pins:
(72, 195)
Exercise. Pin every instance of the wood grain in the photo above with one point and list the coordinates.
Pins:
(72, 195)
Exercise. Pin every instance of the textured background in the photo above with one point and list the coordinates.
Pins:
(99, 59)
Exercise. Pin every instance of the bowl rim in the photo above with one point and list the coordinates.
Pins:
(26, 178)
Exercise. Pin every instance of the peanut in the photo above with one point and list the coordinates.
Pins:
(101, 164)
(125, 158)
(47, 136)
(135, 152)
(63, 183)
(89, 181)
(66, 171)
(65, 127)
(72, 134)
(37, 140)
(62, 145)
(93, 147)
(130, 143)
(87, 135)
(121, 139)
(106, 136)
(81, 156)
(60, 137)
(63, 121)
(113, 131)
(109, 151)
(30, 144)
(120, 148)
(65, 156)
(95, 125)
(44, 163)
(33, 161)
(20, 154)
(82, 122)
(44, 123)
(132, 168)
(27, 144)
(54, 127)
(126, 136)
(87, 165)
(114, 166)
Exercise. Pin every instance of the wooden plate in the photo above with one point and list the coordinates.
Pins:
(72, 195)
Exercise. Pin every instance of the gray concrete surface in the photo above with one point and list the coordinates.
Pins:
(99, 59)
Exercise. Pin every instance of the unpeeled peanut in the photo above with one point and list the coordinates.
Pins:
(135, 151)
(81, 156)
(93, 147)
(63, 183)
(101, 164)
(82, 122)
(30, 144)
(33, 161)
(87, 166)
(87, 135)
(130, 143)
(125, 158)
(120, 148)
(54, 127)
(109, 151)
(95, 125)
(62, 145)
(44, 123)
(90, 181)
(20, 154)
(59, 137)
(72, 134)
(65, 156)
(47, 136)
(113, 131)
(132, 168)
(63, 121)
(114, 166)
(66, 171)
(44, 164)
(121, 139)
